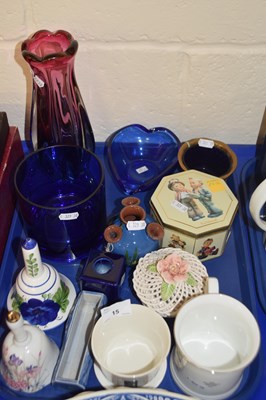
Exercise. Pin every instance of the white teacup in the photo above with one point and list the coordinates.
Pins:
(256, 203)
(216, 338)
(131, 349)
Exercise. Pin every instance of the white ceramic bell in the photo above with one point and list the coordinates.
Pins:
(28, 356)
(36, 280)
(42, 295)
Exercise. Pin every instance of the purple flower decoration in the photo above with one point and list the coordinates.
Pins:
(38, 312)
(14, 360)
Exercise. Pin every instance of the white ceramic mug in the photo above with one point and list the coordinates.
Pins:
(216, 338)
(256, 203)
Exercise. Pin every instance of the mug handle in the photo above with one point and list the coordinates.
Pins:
(212, 285)
(256, 203)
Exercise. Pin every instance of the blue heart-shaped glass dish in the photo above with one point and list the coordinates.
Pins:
(140, 157)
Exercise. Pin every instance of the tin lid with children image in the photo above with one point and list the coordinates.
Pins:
(195, 202)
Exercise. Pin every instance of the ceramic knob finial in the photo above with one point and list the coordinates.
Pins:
(13, 316)
(15, 324)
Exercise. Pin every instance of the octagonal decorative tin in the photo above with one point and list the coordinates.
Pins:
(196, 210)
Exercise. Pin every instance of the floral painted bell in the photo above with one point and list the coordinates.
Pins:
(42, 295)
(28, 356)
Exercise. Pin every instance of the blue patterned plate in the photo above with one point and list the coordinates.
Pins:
(131, 394)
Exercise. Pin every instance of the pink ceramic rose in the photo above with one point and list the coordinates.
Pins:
(173, 269)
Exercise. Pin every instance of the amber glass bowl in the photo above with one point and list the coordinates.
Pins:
(210, 156)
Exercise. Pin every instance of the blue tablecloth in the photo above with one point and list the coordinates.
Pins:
(241, 284)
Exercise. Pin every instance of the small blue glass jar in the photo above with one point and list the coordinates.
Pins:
(103, 272)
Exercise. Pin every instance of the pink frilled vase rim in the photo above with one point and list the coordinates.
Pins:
(46, 35)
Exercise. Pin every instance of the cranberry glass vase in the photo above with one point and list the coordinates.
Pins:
(58, 114)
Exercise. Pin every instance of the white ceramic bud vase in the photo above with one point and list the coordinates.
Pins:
(28, 356)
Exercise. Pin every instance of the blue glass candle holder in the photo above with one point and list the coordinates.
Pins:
(61, 196)
(103, 272)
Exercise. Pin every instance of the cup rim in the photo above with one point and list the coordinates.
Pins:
(223, 147)
(203, 298)
(36, 152)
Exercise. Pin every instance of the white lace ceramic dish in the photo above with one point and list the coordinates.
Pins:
(45, 314)
(164, 279)
(122, 393)
(154, 383)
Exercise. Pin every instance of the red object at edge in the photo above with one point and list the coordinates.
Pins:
(13, 154)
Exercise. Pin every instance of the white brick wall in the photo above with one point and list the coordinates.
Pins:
(197, 67)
